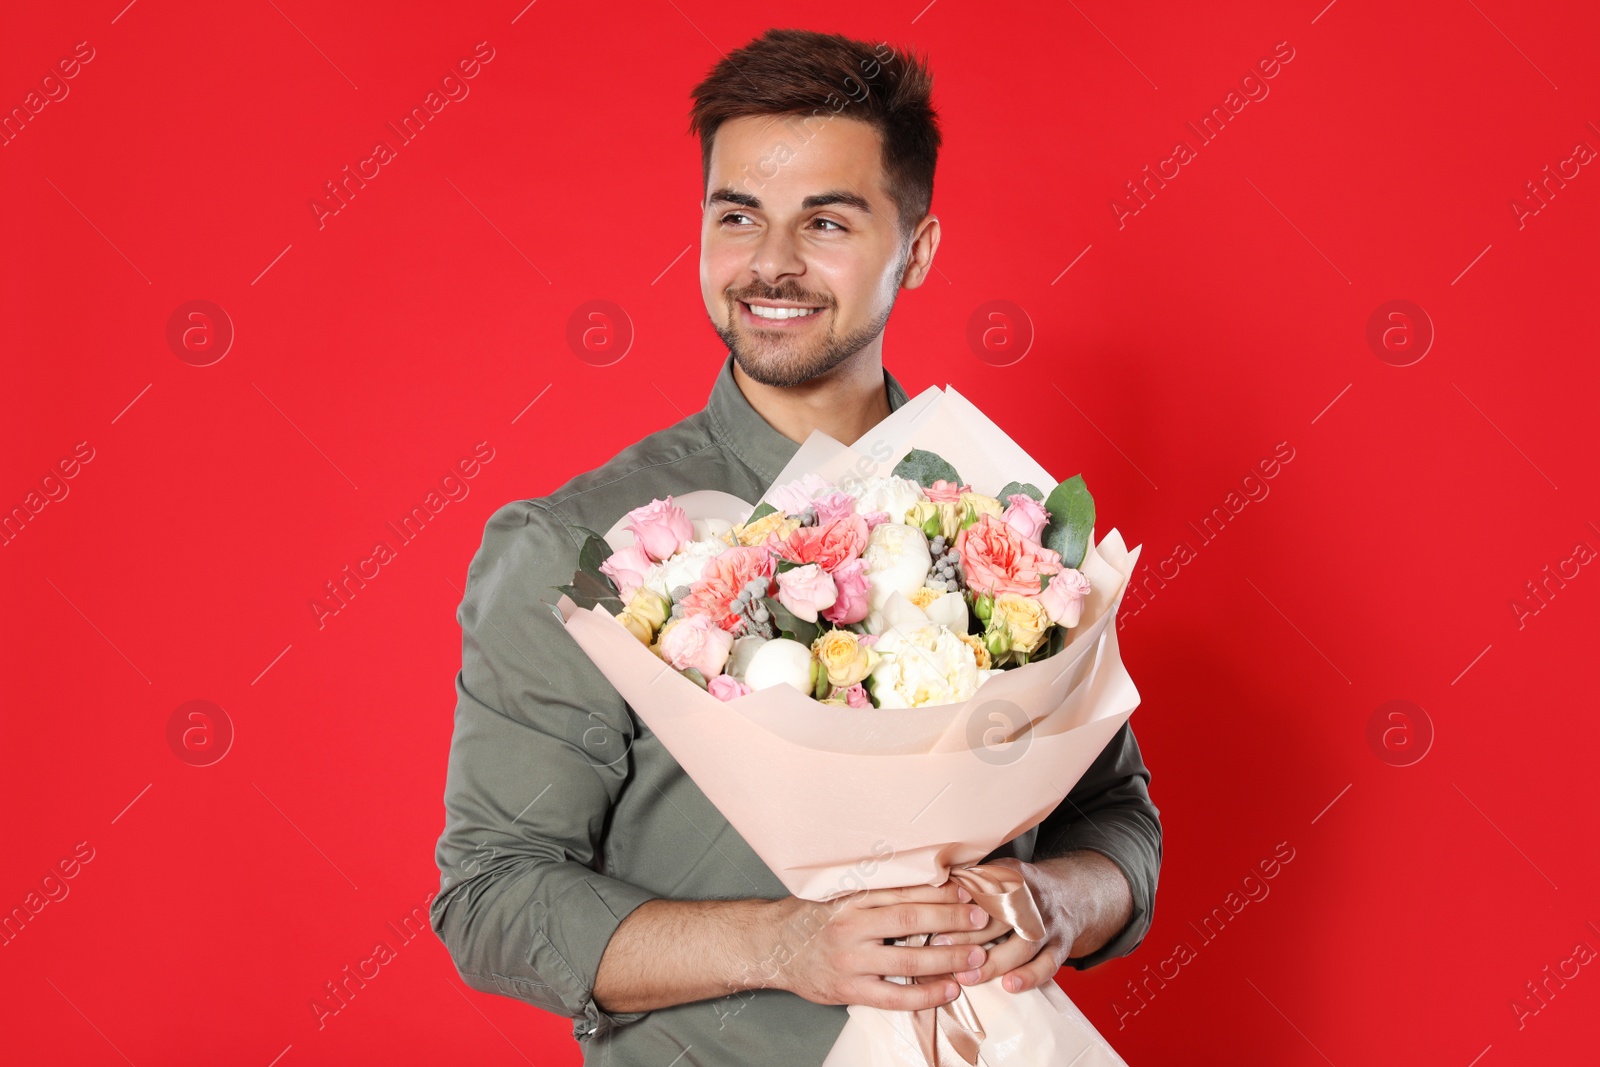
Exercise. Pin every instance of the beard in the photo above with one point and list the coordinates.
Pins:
(779, 360)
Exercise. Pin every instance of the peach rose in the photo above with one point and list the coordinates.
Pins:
(829, 544)
(721, 581)
(996, 559)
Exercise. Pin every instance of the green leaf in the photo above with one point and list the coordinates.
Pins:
(694, 675)
(925, 468)
(594, 552)
(762, 510)
(1019, 487)
(588, 589)
(786, 565)
(1071, 520)
(790, 624)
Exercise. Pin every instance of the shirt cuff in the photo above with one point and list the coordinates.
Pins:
(577, 929)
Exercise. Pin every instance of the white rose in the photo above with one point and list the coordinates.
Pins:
(898, 561)
(780, 661)
(924, 666)
(892, 494)
(683, 567)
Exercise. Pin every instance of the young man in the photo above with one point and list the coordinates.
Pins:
(581, 870)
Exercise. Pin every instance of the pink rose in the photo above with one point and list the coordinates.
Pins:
(695, 641)
(868, 639)
(829, 543)
(726, 687)
(834, 505)
(875, 517)
(995, 559)
(857, 697)
(627, 567)
(792, 497)
(1025, 515)
(943, 492)
(806, 590)
(851, 604)
(660, 528)
(1062, 599)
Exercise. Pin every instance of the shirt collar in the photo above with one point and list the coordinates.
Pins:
(752, 438)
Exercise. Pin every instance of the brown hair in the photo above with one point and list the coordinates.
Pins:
(823, 75)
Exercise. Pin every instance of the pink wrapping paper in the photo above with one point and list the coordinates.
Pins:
(837, 799)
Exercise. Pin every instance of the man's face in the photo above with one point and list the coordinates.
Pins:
(798, 218)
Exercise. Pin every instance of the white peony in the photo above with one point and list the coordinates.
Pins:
(683, 567)
(744, 650)
(898, 561)
(892, 494)
(950, 609)
(780, 661)
(922, 666)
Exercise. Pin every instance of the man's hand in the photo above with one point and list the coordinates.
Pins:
(834, 952)
(1084, 901)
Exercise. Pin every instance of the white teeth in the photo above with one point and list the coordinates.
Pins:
(780, 313)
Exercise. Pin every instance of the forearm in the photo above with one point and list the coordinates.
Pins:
(1092, 889)
(670, 952)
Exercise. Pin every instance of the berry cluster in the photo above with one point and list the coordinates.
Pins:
(748, 606)
(946, 572)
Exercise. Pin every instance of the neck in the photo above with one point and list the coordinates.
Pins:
(844, 403)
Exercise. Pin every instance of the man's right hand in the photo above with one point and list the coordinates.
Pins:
(835, 952)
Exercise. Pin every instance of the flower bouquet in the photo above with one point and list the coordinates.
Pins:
(911, 643)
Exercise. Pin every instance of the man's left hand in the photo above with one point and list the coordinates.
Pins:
(1084, 901)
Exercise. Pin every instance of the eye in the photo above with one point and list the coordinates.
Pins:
(830, 222)
(733, 215)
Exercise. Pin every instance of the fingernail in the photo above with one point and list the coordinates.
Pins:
(962, 894)
(975, 957)
(979, 916)
(966, 977)
(943, 939)
(951, 990)
(1012, 982)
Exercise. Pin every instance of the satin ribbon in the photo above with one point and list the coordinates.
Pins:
(1004, 894)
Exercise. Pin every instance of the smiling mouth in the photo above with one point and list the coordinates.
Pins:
(768, 314)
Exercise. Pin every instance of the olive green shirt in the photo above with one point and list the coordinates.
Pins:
(563, 812)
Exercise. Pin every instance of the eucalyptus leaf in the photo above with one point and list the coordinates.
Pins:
(762, 510)
(694, 675)
(1071, 511)
(925, 468)
(589, 588)
(595, 551)
(1019, 487)
(789, 623)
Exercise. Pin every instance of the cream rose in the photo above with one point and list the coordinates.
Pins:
(844, 657)
(1023, 619)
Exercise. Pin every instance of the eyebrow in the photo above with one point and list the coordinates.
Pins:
(837, 196)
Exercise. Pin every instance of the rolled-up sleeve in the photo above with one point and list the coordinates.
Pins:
(537, 758)
(1109, 811)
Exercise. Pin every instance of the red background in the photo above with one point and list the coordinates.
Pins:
(372, 353)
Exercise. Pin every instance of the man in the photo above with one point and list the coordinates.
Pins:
(581, 870)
